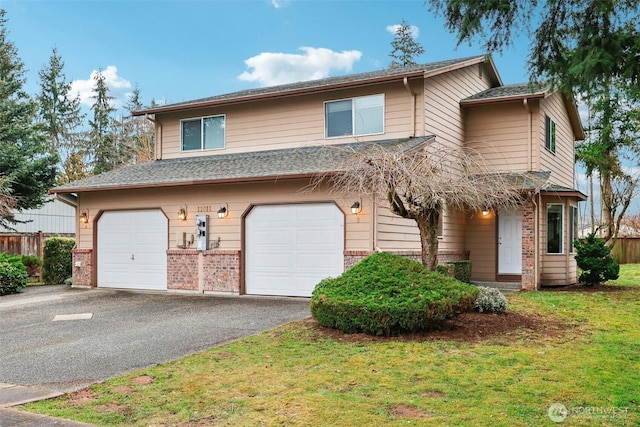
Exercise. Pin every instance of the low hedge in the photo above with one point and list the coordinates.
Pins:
(386, 294)
(460, 270)
(13, 274)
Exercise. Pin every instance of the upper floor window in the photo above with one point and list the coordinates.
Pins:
(555, 236)
(356, 116)
(550, 134)
(206, 133)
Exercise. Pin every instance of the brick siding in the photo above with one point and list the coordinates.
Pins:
(82, 273)
(203, 271)
(351, 258)
(528, 247)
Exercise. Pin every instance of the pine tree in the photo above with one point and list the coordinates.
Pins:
(405, 48)
(102, 141)
(27, 168)
(58, 112)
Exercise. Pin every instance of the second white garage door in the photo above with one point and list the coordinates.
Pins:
(132, 250)
(290, 248)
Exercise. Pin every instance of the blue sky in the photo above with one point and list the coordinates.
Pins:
(175, 51)
(180, 50)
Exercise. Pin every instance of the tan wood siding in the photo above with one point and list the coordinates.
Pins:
(209, 198)
(561, 164)
(481, 243)
(500, 133)
(442, 96)
(290, 122)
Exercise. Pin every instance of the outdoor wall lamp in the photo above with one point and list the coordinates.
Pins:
(182, 213)
(223, 211)
(84, 217)
(356, 208)
(486, 211)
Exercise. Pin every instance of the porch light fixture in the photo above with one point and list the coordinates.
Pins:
(223, 211)
(485, 211)
(356, 208)
(84, 217)
(182, 213)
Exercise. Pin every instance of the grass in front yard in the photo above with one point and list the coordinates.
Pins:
(301, 375)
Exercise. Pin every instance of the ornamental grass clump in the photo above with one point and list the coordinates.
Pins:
(387, 294)
(490, 300)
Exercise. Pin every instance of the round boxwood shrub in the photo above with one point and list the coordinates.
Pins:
(490, 300)
(386, 294)
(13, 274)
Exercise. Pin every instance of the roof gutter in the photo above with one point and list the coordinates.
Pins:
(67, 198)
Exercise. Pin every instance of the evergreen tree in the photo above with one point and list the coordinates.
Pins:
(58, 112)
(405, 48)
(576, 45)
(27, 168)
(102, 141)
(140, 131)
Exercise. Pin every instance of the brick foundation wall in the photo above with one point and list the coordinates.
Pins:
(221, 271)
(203, 271)
(528, 247)
(82, 273)
(351, 258)
(182, 269)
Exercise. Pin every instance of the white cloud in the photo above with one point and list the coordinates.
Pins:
(117, 86)
(270, 68)
(413, 30)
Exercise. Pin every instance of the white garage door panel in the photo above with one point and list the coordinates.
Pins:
(290, 248)
(132, 250)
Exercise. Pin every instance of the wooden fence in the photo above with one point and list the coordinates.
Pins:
(22, 243)
(627, 250)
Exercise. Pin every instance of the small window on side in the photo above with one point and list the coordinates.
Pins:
(550, 134)
(573, 227)
(555, 235)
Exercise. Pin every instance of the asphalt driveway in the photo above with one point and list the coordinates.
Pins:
(64, 339)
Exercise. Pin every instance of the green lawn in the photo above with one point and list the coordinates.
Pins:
(297, 375)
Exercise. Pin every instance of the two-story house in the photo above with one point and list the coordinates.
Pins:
(226, 206)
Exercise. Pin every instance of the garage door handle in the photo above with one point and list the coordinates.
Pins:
(133, 257)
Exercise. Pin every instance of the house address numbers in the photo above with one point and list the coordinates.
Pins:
(204, 209)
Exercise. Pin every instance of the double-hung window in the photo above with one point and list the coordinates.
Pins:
(555, 236)
(550, 134)
(354, 117)
(573, 227)
(204, 133)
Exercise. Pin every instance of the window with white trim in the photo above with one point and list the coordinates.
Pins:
(573, 227)
(354, 117)
(555, 235)
(549, 134)
(203, 133)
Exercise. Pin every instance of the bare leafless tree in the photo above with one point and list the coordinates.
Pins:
(418, 183)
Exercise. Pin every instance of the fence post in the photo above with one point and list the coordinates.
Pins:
(40, 251)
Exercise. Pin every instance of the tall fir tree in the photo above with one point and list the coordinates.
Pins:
(405, 48)
(27, 168)
(58, 112)
(102, 140)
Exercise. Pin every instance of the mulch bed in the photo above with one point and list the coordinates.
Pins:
(467, 327)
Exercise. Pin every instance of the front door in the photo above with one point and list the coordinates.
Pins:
(510, 242)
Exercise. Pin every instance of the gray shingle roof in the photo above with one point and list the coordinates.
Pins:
(509, 91)
(318, 84)
(241, 167)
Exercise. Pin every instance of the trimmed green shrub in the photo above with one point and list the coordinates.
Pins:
(445, 269)
(13, 274)
(594, 258)
(490, 300)
(462, 270)
(57, 260)
(33, 263)
(386, 294)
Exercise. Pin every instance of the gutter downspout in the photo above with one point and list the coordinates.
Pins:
(158, 141)
(405, 81)
(525, 103)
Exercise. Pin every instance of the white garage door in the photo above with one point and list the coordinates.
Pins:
(132, 249)
(290, 248)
